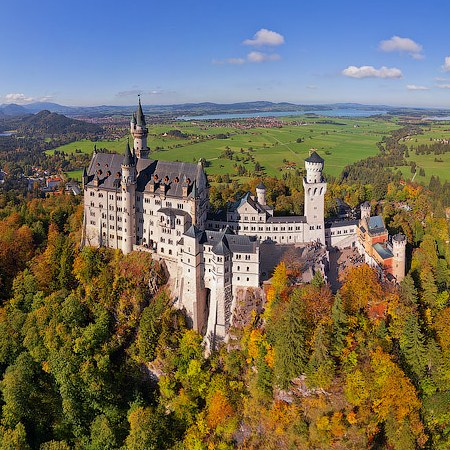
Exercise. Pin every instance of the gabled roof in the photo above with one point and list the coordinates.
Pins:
(314, 157)
(193, 232)
(376, 225)
(247, 199)
(146, 170)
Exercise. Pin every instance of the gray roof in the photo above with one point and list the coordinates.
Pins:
(247, 198)
(366, 204)
(224, 241)
(140, 118)
(128, 159)
(193, 232)
(146, 170)
(261, 185)
(383, 251)
(174, 212)
(399, 237)
(314, 157)
(376, 224)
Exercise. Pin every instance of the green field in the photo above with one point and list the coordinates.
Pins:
(339, 144)
(88, 146)
(74, 174)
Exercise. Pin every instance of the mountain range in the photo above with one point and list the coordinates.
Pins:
(12, 109)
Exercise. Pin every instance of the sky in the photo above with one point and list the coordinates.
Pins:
(79, 52)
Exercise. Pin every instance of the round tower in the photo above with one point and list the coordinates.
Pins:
(399, 251)
(128, 184)
(314, 166)
(139, 131)
(365, 210)
(261, 193)
(315, 187)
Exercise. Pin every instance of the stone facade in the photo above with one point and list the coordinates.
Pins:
(135, 203)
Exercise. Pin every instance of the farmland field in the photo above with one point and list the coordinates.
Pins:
(340, 142)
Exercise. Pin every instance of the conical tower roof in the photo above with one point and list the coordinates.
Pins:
(140, 118)
(128, 159)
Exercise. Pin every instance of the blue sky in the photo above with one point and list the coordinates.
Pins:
(105, 52)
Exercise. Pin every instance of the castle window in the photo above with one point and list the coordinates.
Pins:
(92, 222)
(248, 279)
(103, 216)
(246, 217)
(170, 252)
(92, 213)
(238, 267)
(247, 257)
(161, 250)
(92, 193)
(92, 204)
(119, 238)
(238, 278)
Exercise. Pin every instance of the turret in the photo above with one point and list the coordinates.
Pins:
(139, 130)
(314, 166)
(85, 177)
(399, 251)
(365, 210)
(261, 193)
(128, 167)
(128, 185)
(315, 187)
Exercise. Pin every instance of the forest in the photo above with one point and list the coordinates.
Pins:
(94, 356)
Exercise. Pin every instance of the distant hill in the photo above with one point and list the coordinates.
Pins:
(200, 109)
(46, 122)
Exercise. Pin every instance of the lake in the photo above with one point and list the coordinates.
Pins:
(6, 133)
(325, 112)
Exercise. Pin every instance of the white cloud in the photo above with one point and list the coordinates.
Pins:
(446, 66)
(311, 86)
(414, 87)
(18, 98)
(265, 37)
(236, 61)
(402, 45)
(443, 86)
(371, 72)
(258, 57)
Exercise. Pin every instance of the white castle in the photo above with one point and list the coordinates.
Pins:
(132, 202)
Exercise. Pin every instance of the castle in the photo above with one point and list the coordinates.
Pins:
(132, 202)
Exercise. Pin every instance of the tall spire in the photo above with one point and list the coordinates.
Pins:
(128, 159)
(140, 118)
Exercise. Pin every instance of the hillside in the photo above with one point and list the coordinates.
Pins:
(47, 123)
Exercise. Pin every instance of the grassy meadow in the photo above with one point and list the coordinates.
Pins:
(345, 141)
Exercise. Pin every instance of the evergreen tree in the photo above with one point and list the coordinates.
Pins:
(339, 325)
(291, 350)
(412, 345)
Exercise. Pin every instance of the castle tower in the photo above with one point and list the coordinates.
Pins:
(315, 187)
(139, 131)
(365, 210)
(399, 251)
(128, 184)
(261, 193)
